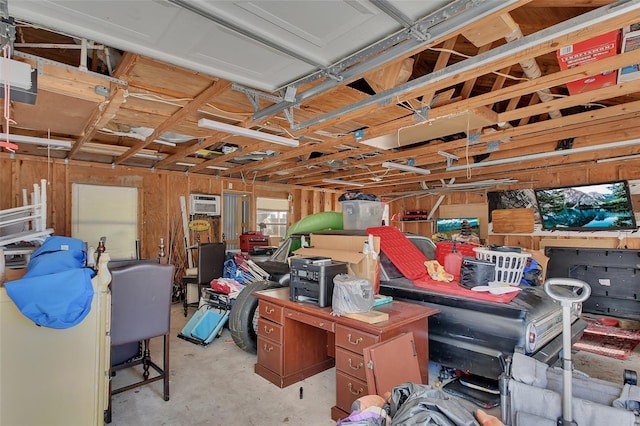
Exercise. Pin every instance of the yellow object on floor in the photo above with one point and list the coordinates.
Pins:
(487, 419)
(436, 271)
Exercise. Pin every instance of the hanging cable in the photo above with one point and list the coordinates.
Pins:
(466, 150)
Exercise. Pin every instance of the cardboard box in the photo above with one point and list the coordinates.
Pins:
(630, 41)
(13, 274)
(348, 248)
(594, 49)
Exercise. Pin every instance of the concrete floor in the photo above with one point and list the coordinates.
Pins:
(216, 385)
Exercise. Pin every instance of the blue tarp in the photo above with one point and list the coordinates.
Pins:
(56, 291)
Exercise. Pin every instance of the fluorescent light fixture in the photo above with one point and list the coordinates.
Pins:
(117, 150)
(34, 140)
(217, 167)
(243, 131)
(625, 157)
(180, 163)
(405, 168)
(342, 182)
(549, 154)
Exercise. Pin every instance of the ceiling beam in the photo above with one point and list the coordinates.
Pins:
(102, 114)
(439, 25)
(215, 89)
(511, 92)
(568, 32)
(550, 126)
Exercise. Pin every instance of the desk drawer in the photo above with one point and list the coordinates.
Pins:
(271, 311)
(348, 389)
(354, 340)
(310, 319)
(350, 363)
(270, 355)
(270, 330)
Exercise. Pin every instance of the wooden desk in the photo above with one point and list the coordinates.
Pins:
(297, 340)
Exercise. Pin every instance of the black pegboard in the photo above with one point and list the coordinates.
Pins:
(613, 274)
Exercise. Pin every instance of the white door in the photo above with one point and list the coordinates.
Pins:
(106, 211)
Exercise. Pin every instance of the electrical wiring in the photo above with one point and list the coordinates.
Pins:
(329, 134)
(243, 114)
(281, 128)
(375, 177)
(156, 98)
(466, 151)
(133, 135)
(590, 104)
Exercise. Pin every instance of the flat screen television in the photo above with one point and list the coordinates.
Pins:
(450, 226)
(601, 207)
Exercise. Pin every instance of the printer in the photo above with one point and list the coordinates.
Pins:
(312, 279)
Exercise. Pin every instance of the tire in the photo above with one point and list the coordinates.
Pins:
(243, 319)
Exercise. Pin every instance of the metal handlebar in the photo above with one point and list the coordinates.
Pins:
(567, 282)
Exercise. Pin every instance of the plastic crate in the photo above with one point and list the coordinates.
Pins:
(361, 214)
(445, 247)
(509, 265)
(399, 249)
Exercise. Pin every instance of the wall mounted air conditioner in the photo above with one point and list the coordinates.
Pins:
(205, 204)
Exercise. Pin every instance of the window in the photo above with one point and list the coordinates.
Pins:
(271, 216)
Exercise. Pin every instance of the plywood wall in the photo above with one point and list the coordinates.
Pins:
(459, 204)
(159, 192)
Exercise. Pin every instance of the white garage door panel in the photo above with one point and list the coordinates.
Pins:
(135, 21)
(306, 26)
(109, 211)
(323, 31)
(248, 58)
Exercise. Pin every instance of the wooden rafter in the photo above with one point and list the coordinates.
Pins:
(205, 96)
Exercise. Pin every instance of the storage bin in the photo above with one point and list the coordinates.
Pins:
(361, 214)
(509, 265)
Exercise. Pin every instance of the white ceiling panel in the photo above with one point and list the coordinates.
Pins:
(318, 33)
(323, 31)
(141, 22)
(248, 61)
(416, 9)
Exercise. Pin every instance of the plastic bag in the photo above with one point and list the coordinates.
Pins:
(413, 404)
(532, 273)
(226, 285)
(358, 196)
(351, 295)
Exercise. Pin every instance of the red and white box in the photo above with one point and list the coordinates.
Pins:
(630, 41)
(587, 51)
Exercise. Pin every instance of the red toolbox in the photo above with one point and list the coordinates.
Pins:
(251, 239)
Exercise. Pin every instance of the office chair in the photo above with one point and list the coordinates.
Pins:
(140, 310)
